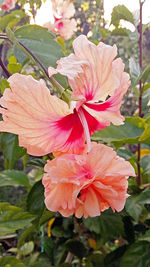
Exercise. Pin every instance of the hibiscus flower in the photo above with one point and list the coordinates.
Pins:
(87, 184)
(45, 123)
(7, 5)
(62, 24)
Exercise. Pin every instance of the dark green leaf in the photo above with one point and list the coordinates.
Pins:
(13, 218)
(46, 216)
(35, 200)
(129, 132)
(135, 203)
(145, 237)
(57, 231)
(128, 229)
(13, 178)
(108, 225)
(121, 12)
(10, 148)
(137, 255)
(96, 259)
(49, 248)
(76, 247)
(113, 258)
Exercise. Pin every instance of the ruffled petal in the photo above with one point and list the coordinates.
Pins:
(88, 183)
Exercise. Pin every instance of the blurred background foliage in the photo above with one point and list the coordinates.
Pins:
(30, 235)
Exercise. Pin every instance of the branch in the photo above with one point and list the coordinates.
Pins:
(4, 68)
(140, 89)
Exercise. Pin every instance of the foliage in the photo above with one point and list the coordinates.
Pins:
(32, 236)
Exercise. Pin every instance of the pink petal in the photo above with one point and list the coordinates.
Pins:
(40, 120)
(7, 5)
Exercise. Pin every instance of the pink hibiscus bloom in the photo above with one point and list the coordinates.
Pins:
(98, 82)
(45, 123)
(7, 5)
(87, 184)
(62, 22)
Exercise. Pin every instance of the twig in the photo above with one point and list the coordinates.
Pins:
(140, 89)
(69, 257)
(4, 68)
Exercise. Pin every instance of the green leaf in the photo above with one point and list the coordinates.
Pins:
(3, 85)
(46, 216)
(145, 98)
(27, 248)
(119, 32)
(11, 261)
(13, 218)
(145, 73)
(76, 247)
(10, 148)
(129, 132)
(121, 12)
(13, 178)
(137, 255)
(42, 44)
(145, 237)
(113, 258)
(134, 71)
(12, 59)
(108, 225)
(35, 199)
(146, 134)
(14, 67)
(49, 248)
(11, 19)
(135, 204)
(145, 164)
(96, 259)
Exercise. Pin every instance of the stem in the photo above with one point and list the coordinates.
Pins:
(69, 257)
(4, 68)
(140, 89)
(103, 14)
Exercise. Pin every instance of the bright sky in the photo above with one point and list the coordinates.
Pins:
(44, 14)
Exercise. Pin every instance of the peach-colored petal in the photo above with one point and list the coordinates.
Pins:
(87, 184)
(43, 122)
(94, 75)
